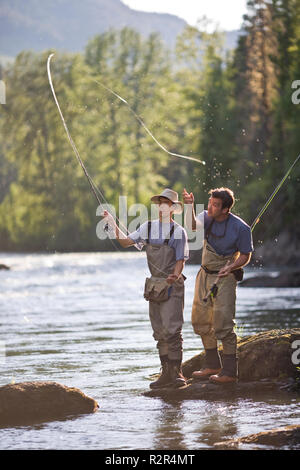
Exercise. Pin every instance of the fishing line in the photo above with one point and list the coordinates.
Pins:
(68, 133)
(146, 128)
(257, 218)
(93, 186)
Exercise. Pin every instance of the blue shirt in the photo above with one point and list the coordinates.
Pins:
(159, 232)
(237, 234)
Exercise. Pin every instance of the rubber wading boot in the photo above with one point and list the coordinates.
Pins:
(212, 365)
(228, 373)
(165, 378)
(177, 377)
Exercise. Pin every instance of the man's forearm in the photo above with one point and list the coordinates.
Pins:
(190, 217)
(122, 238)
(178, 268)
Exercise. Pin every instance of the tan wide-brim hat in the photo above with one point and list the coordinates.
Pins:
(172, 196)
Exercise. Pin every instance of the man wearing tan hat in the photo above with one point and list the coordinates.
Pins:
(167, 250)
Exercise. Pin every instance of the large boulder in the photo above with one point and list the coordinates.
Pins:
(267, 362)
(31, 402)
(267, 354)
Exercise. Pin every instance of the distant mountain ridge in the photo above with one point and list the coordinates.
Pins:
(69, 24)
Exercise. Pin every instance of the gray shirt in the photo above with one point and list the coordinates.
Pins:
(159, 232)
(229, 236)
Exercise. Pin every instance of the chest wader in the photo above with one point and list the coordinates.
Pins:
(213, 317)
(166, 316)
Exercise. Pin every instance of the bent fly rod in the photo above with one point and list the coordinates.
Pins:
(91, 182)
(214, 288)
(93, 186)
(262, 211)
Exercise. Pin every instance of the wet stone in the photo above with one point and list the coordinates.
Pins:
(34, 402)
(265, 365)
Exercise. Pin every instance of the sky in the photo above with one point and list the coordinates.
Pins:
(226, 13)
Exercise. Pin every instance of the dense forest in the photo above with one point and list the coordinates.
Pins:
(233, 110)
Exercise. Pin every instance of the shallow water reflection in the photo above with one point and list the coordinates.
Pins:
(80, 319)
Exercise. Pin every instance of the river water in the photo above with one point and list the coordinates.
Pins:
(81, 320)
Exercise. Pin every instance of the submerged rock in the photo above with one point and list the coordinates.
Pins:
(288, 436)
(31, 402)
(265, 364)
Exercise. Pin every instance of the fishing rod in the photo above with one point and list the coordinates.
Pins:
(93, 186)
(214, 288)
(262, 211)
